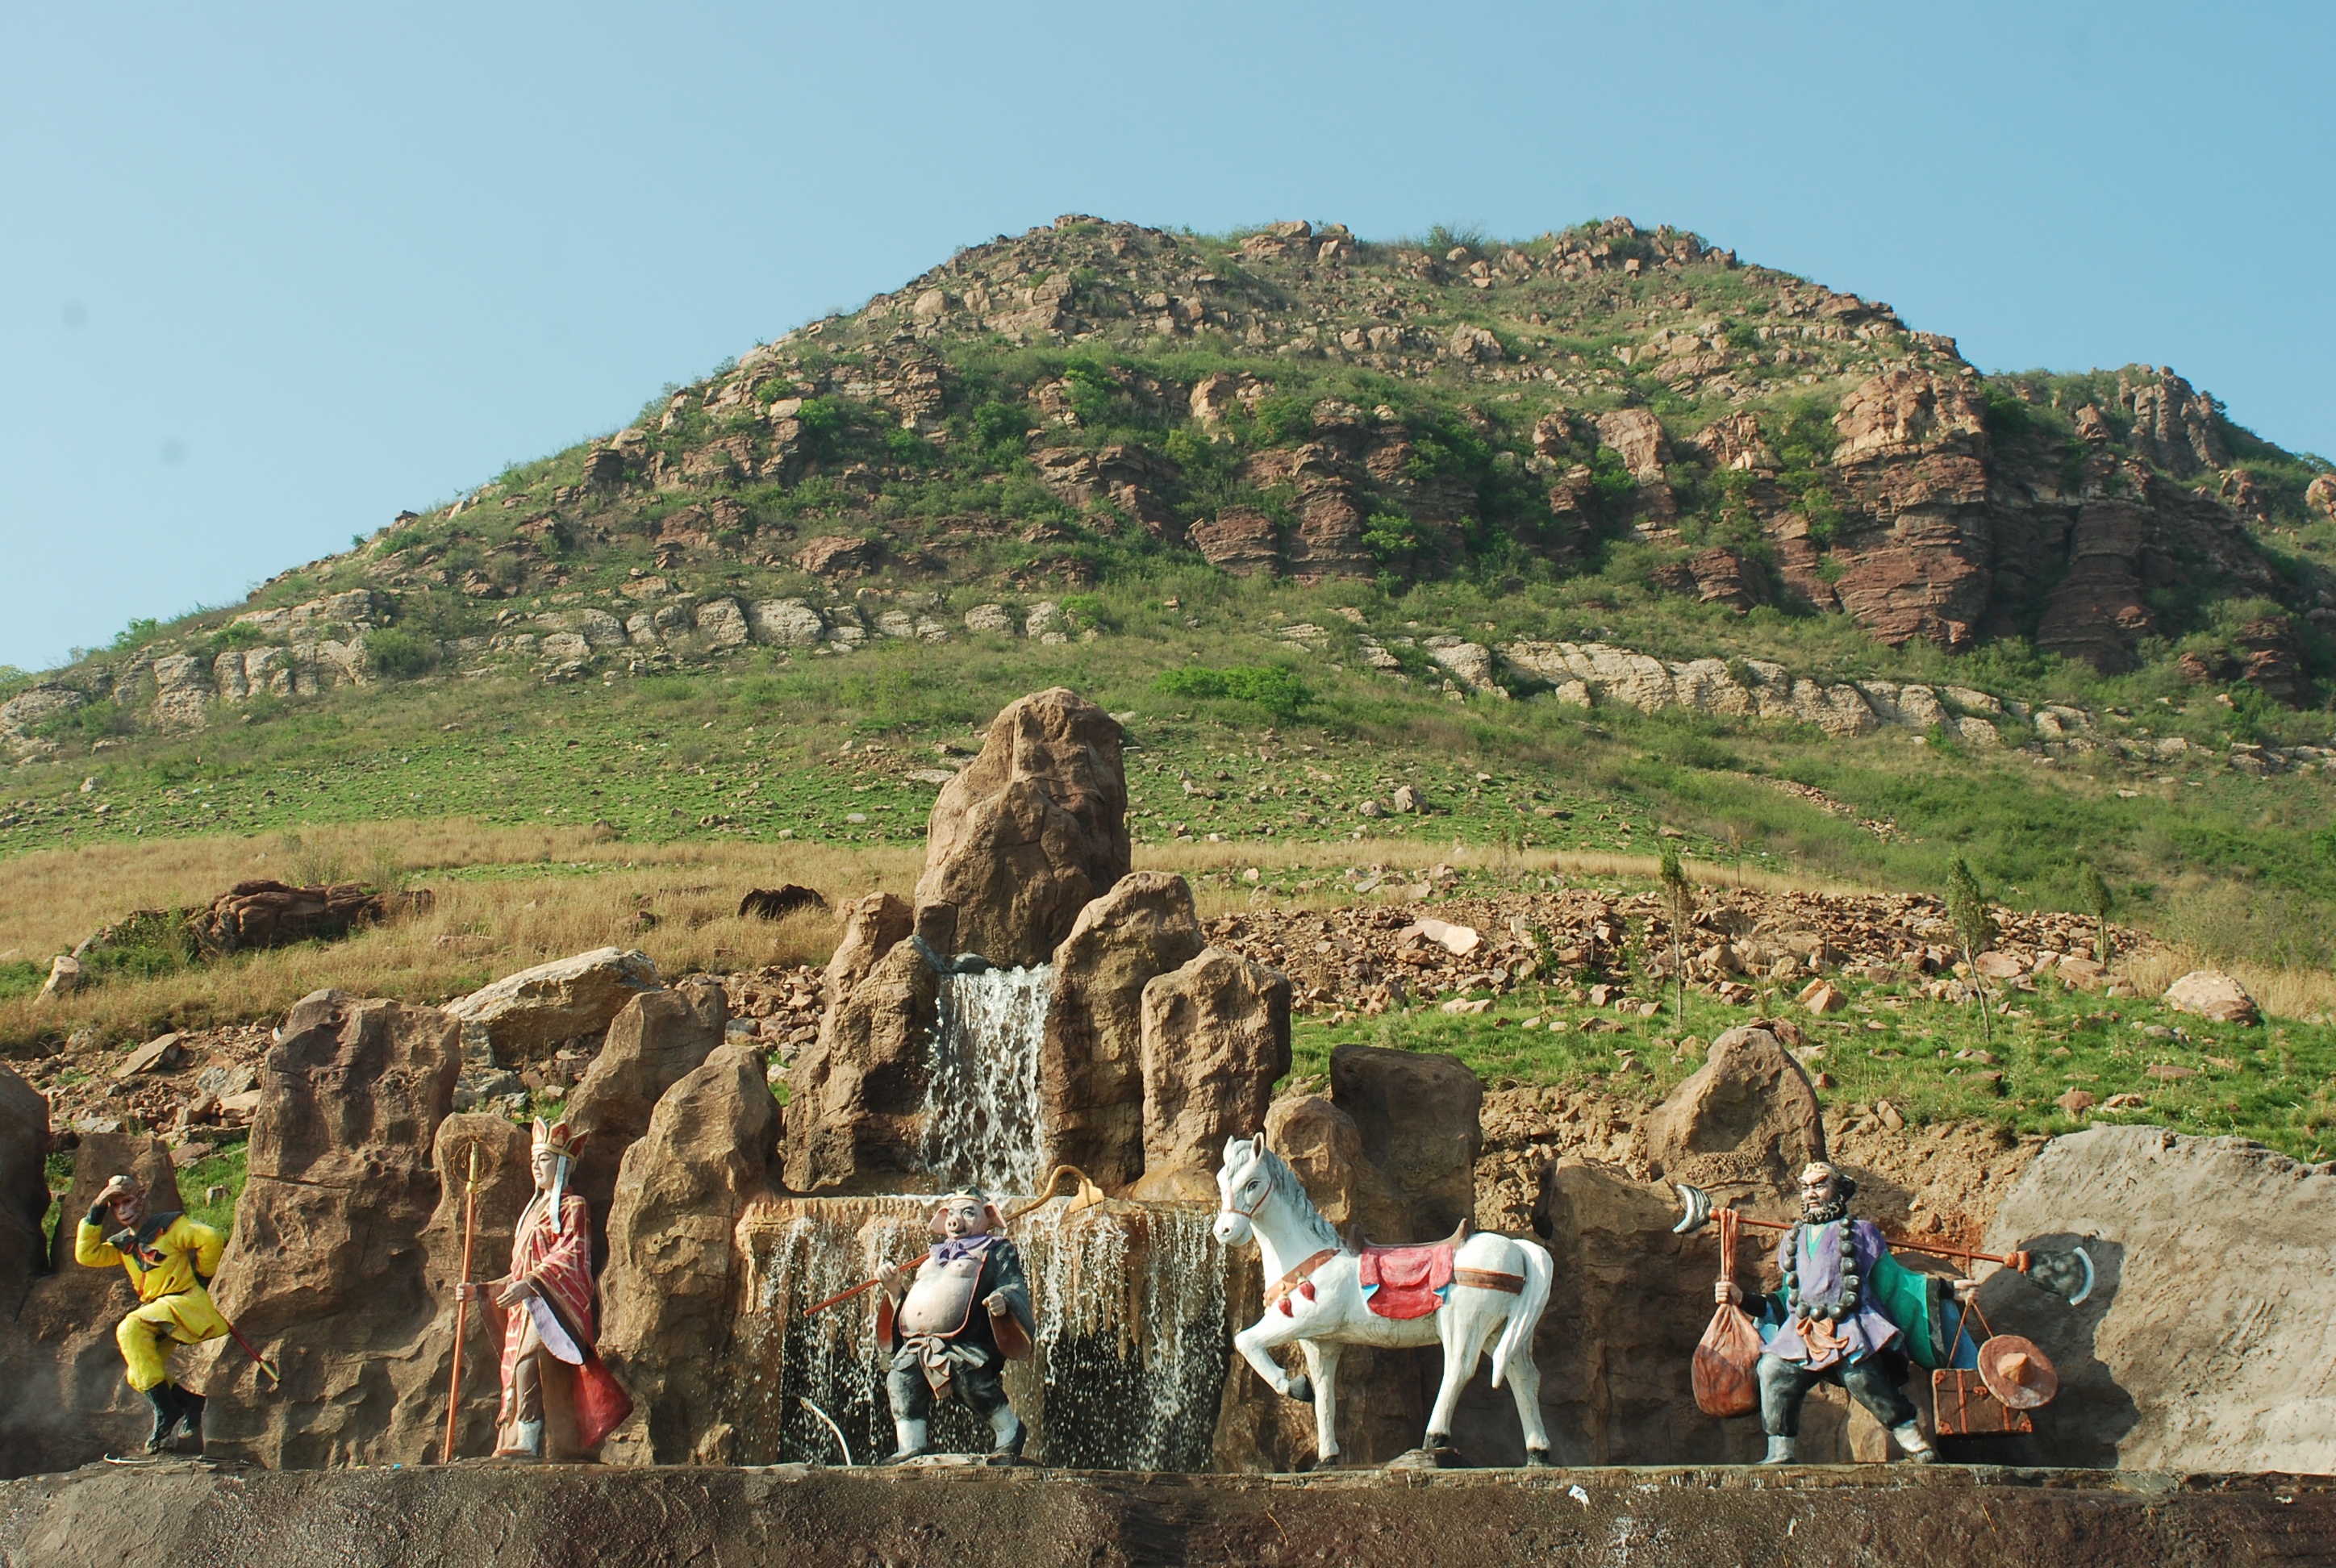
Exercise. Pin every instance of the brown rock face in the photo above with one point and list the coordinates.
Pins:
(1216, 1036)
(835, 556)
(1637, 437)
(68, 1404)
(1092, 1070)
(660, 1037)
(671, 1290)
(2173, 426)
(1417, 1114)
(325, 1270)
(24, 1186)
(1240, 540)
(2097, 612)
(854, 1115)
(2273, 658)
(2319, 495)
(2200, 1246)
(871, 925)
(1031, 831)
(265, 914)
(1749, 1118)
(1901, 411)
(1718, 575)
(2212, 994)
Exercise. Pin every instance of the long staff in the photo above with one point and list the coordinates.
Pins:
(469, 1234)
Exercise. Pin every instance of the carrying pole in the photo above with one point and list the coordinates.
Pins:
(469, 1234)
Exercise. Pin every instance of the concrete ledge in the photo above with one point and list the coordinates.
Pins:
(476, 1516)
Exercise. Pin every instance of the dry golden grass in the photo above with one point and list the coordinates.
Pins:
(505, 898)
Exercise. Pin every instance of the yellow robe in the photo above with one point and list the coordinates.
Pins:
(168, 1274)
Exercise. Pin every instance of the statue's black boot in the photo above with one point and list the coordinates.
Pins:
(191, 1410)
(166, 1417)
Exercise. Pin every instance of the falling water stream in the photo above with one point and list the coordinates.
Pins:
(1129, 1364)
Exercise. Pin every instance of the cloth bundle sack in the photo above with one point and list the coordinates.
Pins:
(1726, 1376)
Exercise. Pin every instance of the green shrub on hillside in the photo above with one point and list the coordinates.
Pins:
(400, 655)
(1273, 687)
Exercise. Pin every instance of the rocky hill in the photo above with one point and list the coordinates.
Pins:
(1609, 405)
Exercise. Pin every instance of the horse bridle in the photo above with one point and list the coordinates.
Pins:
(1251, 1213)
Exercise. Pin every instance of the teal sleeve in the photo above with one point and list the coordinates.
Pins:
(1905, 1301)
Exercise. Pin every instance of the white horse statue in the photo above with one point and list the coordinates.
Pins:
(1493, 1287)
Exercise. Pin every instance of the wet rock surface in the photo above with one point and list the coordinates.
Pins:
(808, 1516)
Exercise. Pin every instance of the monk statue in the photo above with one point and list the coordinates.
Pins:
(1848, 1314)
(951, 1322)
(551, 1370)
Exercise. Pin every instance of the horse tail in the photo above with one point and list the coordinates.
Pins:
(1524, 1317)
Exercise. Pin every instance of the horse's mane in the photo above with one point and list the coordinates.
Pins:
(1287, 1184)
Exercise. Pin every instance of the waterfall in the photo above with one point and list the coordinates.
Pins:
(1129, 1357)
(981, 1081)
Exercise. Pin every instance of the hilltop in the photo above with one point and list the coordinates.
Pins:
(1576, 539)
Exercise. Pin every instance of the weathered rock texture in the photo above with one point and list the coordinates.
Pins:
(1031, 830)
(657, 1039)
(526, 1014)
(855, 1097)
(1215, 1037)
(1091, 1073)
(1743, 1124)
(2208, 1342)
(68, 1403)
(24, 1186)
(1940, 1516)
(325, 1270)
(1415, 1114)
(266, 914)
(870, 926)
(2212, 994)
(670, 1294)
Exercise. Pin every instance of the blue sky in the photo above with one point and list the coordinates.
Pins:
(268, 274)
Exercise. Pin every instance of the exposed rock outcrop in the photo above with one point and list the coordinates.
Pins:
(1215, 1037)
(325, 1270)
(670, 1291)
(1091, 1073)
(1031, 831)
(659, 1039)
(2207, 1343)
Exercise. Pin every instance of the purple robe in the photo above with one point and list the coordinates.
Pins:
(1866, 1330)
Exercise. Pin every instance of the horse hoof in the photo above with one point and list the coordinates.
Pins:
(1301, 1388)
(1537, 1459)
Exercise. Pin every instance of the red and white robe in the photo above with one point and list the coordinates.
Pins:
(557, 1261)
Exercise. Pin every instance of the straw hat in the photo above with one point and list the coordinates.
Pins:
(2017, 1373)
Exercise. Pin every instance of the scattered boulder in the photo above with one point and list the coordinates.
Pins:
(1749, 1119)
(1215, 1037)
(270, 914)
(1091, 1069)
(526, 1014)
(2212, 994)
(155, 1056)
(2205, 1343)
(1457, 940)
(326, 1272)
(671, 1291)
(1031, 831)
(1415, 1113)
(659, 1038)
(2319, 495)
(64, 978)
(777, 903)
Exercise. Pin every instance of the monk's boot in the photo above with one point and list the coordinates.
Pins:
(526, 1445)
(1010, 1432)
(1916, 1448)
(1780, 1450)
(161, 1440)
(191, 1416)
(913, 1443)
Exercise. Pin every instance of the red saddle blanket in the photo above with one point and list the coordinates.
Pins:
(1405, 1282)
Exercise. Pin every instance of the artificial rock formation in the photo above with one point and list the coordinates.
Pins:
(1031, 831)
(69, 1404)
(1416, 1116)
(657, 1039)
(2208, 1342)
(24, 1186)
(670, 1294)
(326, 1269)
(526, 1014)
(1743, 1124)
(1092, 1070)
(871, 925)
(855, 1097)
(1216, 1036)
